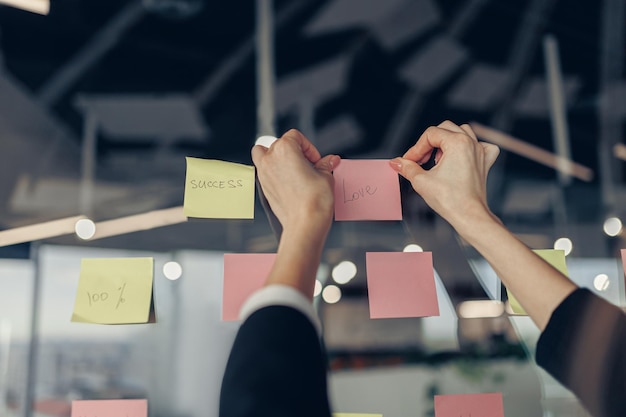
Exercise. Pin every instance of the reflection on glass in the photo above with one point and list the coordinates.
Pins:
(172, 270)
(318, 288)
(565, 244)
(612, 226)
(331, 294)
(85, 229)
(412, 247)
(343, 272)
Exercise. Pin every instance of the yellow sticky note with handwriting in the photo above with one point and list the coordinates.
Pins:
(218, 190)
(556, 258)
(114, 291)
(356, 415)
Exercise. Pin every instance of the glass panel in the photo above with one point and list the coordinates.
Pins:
(16, 280)
(176, 363)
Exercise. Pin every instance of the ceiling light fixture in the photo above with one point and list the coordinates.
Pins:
(564, 244)
(343, 272)
(85, 229)
(138, 222)
(534, 153)
(612, 226)
(331, 294)
(318, 288)
(601, 282)
(39, 231)
(481, 309)
(412, 247)
(34, 6)
(619, 151)
(172, 270)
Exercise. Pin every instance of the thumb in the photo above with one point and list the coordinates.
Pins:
(258, 152)
(491, 153)
(328, 163)
(407, 168)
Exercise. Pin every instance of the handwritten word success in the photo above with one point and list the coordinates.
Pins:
(114, 291)
(366, 190)
(218, 190)
(221, 184)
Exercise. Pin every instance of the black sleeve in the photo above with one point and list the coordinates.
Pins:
(584, 348)
(276, 368)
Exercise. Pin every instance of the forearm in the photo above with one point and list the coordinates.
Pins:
(298, 257)
(536, 284)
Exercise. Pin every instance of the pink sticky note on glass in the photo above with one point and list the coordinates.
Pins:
(401, 284)
(244, 273)
(366, 189)
(623, 251)
(469, 405)
(110, 408)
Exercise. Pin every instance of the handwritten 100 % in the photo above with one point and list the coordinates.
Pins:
(103, 296)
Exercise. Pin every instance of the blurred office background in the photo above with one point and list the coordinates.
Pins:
(101, 100)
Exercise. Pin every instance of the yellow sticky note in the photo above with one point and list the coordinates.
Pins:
(218, 190)
(356, 415)
(114, 291)
(556, 258)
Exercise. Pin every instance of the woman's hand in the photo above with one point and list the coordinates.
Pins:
(456, 186)
(297, 181)
(298, 185)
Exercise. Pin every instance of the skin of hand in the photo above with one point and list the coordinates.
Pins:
(298, 184)
(456, 184)
(456, 189)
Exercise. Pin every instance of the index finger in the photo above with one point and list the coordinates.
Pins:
(432, 138)
(309, 150)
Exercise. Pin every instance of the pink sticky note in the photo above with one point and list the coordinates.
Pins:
(469, 405)
(366, 189)
(244, 273)
(623, 251)
(401, 284)
(110, 408)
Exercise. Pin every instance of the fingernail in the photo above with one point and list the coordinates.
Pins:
(395, 164)
(334, 161)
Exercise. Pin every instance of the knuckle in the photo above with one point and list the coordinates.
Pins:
(293, 134)
(433, 130)
(465, 139)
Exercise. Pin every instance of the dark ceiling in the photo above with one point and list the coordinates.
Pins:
(362, 78)
(161, 54)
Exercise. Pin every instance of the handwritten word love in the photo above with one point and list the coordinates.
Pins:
(360, 193)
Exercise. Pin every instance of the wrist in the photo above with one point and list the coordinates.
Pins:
(473, 219)
(309, 222)
(305, 235)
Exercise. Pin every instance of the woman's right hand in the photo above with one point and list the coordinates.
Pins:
(297, 181)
